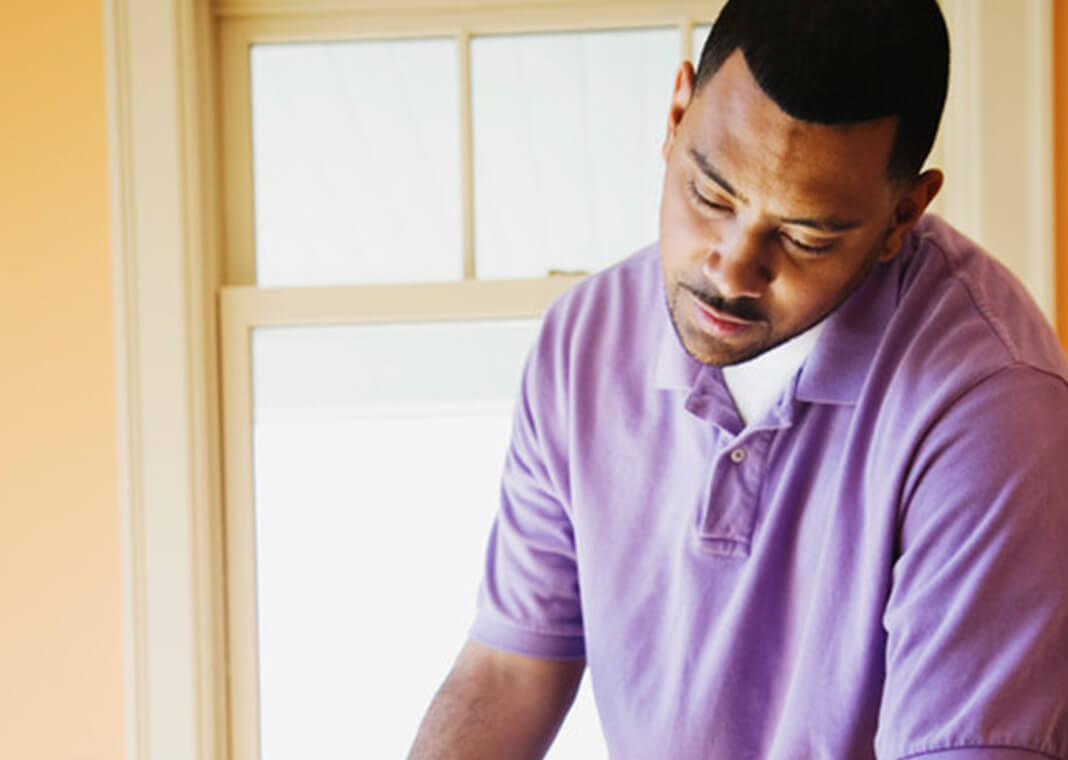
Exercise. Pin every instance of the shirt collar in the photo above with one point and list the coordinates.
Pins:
(840, 363)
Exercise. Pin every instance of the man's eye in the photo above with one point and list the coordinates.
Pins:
(808, 248)
(706, 202)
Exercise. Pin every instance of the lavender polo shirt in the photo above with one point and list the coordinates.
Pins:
(877, 567)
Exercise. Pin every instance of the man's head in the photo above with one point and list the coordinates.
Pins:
(792, 163)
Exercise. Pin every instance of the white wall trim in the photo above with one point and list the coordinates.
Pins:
(127, 386)
(1040, 273)
(159, 71)
(997, 141)
(961, 141)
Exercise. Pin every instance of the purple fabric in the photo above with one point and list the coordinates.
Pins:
(881, 572)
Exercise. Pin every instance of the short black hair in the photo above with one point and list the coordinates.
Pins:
(840, 62)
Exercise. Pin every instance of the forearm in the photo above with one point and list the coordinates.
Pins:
(465, 722)
(486, 710)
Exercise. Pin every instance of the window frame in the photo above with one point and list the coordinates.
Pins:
(166, 90)
(243, 309)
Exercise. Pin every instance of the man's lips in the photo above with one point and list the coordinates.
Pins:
(721, 316)
(716, 319)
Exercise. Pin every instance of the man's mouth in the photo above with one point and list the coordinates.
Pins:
(717, 322)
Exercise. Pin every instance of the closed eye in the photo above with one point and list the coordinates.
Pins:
(704, 201)
(809, 248)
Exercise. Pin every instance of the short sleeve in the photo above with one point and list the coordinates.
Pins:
(529, 599)
(977, 617)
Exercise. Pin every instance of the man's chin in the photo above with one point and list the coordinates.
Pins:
(720, 353)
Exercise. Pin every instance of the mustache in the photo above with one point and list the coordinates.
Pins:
(740, 308)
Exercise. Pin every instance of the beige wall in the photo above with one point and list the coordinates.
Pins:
(60, 627)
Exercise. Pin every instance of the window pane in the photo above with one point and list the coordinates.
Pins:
(378, 452)
(356, 162)
(567, 136)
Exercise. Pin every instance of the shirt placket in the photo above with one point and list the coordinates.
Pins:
(729, 513)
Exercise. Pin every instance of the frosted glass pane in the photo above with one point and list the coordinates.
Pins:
(700, 35)
(356, 162)
(567, 136)
(378, 452)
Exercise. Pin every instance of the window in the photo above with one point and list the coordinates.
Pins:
(406, 191)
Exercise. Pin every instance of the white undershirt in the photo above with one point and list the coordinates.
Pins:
(756, 384)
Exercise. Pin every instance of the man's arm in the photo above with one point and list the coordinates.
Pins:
(497, 705)
(977, 617)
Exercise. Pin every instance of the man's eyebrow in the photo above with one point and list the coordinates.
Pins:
(709, 171)
(827, 224)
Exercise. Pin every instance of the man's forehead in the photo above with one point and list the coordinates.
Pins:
(737, 136)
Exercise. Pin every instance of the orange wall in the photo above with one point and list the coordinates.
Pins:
(60, 626)
(1060, 53)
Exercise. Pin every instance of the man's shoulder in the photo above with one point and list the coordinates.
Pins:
(962, 314)
(964, 336)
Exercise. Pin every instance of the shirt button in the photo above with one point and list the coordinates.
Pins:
(738, 456)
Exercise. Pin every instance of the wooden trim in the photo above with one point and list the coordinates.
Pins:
(467, 153)
(392, 24)
(356, 304)
(159, 67)
(204, 266)
(226, 9)
(243, 629)
(246, 308)
(1060, 78)
(128, 390)
(686, 46)
(235, 86)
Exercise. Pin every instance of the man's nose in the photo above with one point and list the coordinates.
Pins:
(738, 264)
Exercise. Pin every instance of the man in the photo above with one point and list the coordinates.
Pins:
(794, 482)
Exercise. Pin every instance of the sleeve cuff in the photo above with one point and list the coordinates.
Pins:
(981, 753)
(548, 646)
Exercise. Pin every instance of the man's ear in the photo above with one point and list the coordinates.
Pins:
(910, 207)
(680, 99)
